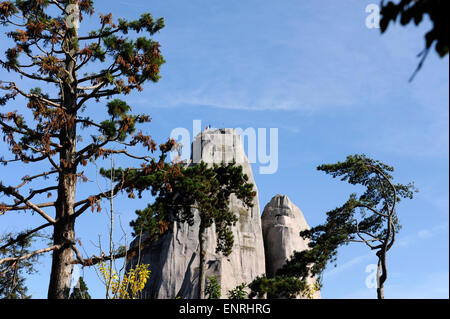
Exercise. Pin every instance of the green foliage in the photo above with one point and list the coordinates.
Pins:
(372, 214)
(364, 215)
(109, 129)
(80, 291)
(121, 124)
(117, 108)
(12, 274)
(278, 287)
(379, 198)
(181, 190)
(146, 22)
(212, 289)
(414, 11)
(126, 64)
(239, 292)
(152, 223)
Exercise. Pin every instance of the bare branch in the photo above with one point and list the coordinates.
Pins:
(92, 87)
(99, 75)
(27, 131)
(101, 35)
(90, 150)
(372, 209)
(94, 94)
(363, 240)
(95, 199)
(125, 152)
(32, 194)
(11, 191)
(34, 76)
(50, 102)
(30, 255)
(28, 179)
(59, 6)
(88, 122)
(45, 205)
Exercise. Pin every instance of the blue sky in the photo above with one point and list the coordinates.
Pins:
(332, 87)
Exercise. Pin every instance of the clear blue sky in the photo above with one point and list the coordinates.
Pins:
(333, 87)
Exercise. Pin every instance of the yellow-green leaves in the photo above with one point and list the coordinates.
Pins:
(129, 286)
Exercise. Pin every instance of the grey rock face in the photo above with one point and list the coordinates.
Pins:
(174, 258)
(282, 223)
(260, 244)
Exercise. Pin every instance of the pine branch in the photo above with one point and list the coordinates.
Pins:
(34, 76)
(23, 236)
(50, 102)
(10, 191)
(31, 196)
(11, 208)
(30, 255)
(92, 200)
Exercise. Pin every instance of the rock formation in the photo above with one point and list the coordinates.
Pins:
(174, 258)
(282, 223)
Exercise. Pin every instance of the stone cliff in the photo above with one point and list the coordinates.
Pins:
(174, 258)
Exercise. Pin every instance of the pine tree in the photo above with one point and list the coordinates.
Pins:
(80, 291)
(181, 192)
(238, 292)
(49, 50)
(13, 272)
(370, 218)
(62, 139)
(212, 289)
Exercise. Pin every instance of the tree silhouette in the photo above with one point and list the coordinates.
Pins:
(370, 218)
(414, 11)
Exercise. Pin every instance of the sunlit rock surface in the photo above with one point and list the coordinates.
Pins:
(174, 258)
(282, 222)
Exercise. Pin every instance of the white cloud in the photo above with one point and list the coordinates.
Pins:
(422, 234)
(428, 233)
(349, 264)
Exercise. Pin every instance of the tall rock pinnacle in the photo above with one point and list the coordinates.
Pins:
(260, 244)
(282, 223)
(174, 258)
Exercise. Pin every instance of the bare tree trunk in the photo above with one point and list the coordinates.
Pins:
(64, 229)
(111, 230)
(201, 276)
(59, 287)
(381, 274)
(380, 292)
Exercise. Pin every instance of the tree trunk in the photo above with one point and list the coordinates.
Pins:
(60, 278)
(381, 274)
(64, 229)
(380, 292)
(201, 276)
